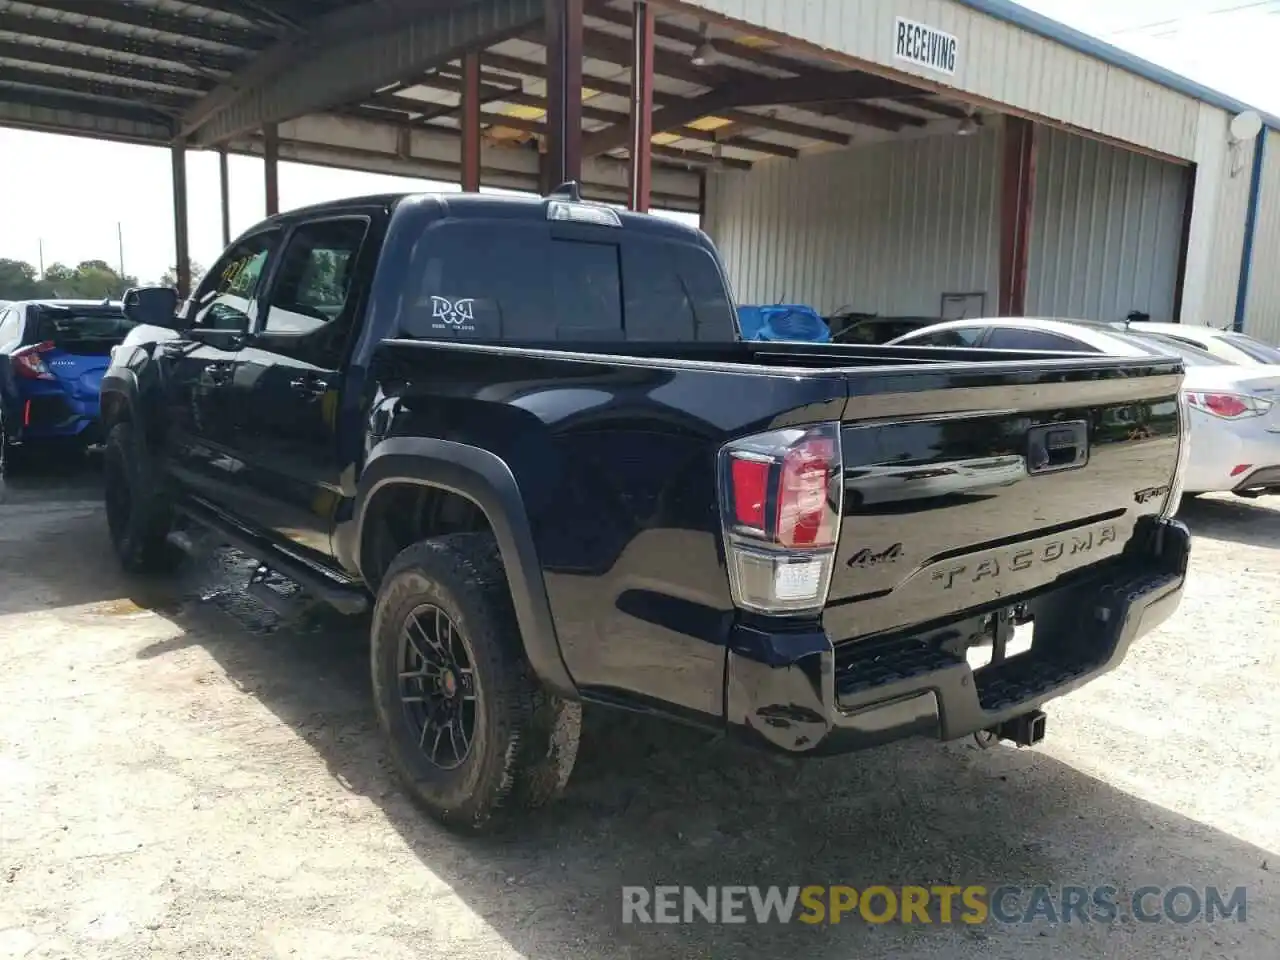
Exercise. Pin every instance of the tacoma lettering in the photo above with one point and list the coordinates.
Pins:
(993, 567)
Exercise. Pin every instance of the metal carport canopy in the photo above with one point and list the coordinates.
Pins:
(405, 86)
(349, 53)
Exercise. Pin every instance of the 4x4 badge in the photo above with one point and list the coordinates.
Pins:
(866, 557)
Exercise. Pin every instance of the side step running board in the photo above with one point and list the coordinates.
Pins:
(345, 596)
(286, 606)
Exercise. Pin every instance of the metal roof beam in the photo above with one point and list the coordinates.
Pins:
(368, 144)
(869, 115)
(758, 92)
(117, 42)
(93, 88)
(755, 121)
(108, 67)
(348, 54)
(689, 157)
(601, 11)
(491, 94)
(58, 113)
(616, 50)
(150, 18)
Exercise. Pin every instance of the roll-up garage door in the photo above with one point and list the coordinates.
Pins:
(1106, 229)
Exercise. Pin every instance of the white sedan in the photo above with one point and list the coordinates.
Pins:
(1235, 420)
(1228, 345)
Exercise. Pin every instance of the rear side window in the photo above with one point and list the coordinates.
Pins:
(1256, 349)
(1015, 338)
(517, 281)
(956, 337)
(1157, 344)
(312, 285)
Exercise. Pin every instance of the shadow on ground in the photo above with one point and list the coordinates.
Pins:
(655, 804)
(1252, 522)
(51, 513)
(651, 803)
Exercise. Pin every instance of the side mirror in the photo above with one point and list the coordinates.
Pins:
(153, 306)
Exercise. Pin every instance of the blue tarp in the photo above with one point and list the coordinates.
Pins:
(783, 321)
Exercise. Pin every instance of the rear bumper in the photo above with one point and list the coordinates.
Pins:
(800, 693)
(50, 415)
(1257, 482)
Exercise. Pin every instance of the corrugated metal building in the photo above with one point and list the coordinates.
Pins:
(1262, 298)
(820, 138)
(885, 227)
(1142, 197)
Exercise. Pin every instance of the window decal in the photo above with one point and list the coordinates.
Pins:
(455, 313)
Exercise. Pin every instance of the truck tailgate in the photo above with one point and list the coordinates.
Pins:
(963, 489)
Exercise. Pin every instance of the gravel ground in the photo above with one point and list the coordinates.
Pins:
(182, 776)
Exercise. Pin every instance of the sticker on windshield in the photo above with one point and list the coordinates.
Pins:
(454, 314)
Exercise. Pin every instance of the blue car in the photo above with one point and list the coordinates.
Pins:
(52, 357)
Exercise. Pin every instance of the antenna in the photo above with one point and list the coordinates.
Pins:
(569, 190)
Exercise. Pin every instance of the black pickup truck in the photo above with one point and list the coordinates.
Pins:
(526, 433)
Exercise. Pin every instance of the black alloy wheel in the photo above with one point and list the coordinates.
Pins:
(438, 689)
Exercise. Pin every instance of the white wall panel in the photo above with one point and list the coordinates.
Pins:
(886, 228)
(1227, 241)
(996, 60)
(1262, 308)
(1105, 230)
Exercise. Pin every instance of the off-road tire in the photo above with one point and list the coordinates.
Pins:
(525, 739)
(139, 511)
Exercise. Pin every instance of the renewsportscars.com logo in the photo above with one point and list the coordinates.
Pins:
(970, 904)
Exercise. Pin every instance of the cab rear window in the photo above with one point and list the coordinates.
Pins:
(525, 281)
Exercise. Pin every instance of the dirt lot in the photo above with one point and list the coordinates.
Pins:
(180, 778)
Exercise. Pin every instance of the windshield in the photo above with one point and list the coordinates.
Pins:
(1255, 349)
(1158, 344)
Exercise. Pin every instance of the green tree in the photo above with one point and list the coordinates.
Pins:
(170, 277)
(88, 280)
(18, 280)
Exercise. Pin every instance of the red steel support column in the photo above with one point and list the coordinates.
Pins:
(564, 90)
(182, 264)
(471, 122)
(641, 106)
(1017, 192)
(271, 167)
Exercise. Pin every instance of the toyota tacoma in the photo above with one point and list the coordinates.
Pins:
(526, 436)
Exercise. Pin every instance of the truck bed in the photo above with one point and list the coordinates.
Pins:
(615, 455)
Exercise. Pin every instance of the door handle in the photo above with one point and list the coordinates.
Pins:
(218, 373)
(314, 386)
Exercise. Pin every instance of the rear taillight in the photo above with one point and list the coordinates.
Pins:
(28, 364)
(780, 499)
(1228, 406)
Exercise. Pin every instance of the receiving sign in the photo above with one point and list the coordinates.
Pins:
(924, 45)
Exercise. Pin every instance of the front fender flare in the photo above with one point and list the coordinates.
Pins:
(122, 384)
(485, 479)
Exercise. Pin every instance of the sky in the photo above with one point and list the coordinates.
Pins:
(77, 198)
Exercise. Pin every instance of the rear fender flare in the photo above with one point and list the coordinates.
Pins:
(485, 479)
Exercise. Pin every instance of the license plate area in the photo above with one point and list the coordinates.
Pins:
(1018, 637)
